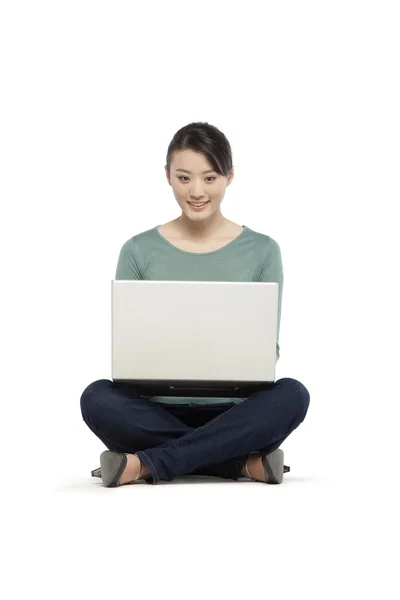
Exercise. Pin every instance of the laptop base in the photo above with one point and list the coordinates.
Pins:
(223, 389)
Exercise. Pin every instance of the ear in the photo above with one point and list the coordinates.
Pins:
(166, 173)
(231, 175)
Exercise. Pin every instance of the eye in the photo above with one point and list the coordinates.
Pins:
(184, 177)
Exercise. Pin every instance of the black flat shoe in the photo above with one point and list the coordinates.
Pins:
(273, 466)
(96, 472)
(112, 467)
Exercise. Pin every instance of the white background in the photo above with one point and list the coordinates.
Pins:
(308, 95)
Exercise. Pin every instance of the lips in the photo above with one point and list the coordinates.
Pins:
(199, 204)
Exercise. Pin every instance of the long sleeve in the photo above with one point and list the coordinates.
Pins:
(127, 266)
(273, 272)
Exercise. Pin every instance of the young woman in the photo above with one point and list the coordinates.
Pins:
(160, 438)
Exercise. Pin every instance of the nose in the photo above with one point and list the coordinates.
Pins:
(197, 197)
(197, 191)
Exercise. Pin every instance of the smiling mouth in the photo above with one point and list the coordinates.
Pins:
(198, 204)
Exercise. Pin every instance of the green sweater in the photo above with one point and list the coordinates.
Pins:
(251, 256)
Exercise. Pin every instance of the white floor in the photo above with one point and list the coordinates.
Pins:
(330, 530)
(318, 535)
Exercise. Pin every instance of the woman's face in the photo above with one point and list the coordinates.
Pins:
(191, 184)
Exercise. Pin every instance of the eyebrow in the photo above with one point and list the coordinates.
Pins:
(190, 172)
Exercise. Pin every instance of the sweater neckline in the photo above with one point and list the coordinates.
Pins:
(244, 230)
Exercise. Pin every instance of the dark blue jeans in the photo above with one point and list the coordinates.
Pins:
(175, 440)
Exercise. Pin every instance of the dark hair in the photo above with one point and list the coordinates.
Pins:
(205, 139)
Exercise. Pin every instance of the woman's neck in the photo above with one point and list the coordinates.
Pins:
(201, 230)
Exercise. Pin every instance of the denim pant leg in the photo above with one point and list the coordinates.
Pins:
(126, 422)
(197, 415)
(260, 422)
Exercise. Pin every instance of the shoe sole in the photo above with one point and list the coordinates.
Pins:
(112, 465)
(273, 466)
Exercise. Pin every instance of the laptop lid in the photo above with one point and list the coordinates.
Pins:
(193, 338)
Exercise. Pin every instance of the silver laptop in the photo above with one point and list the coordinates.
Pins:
(194, 338)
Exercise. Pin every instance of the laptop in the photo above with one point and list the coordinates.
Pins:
(194, 338)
